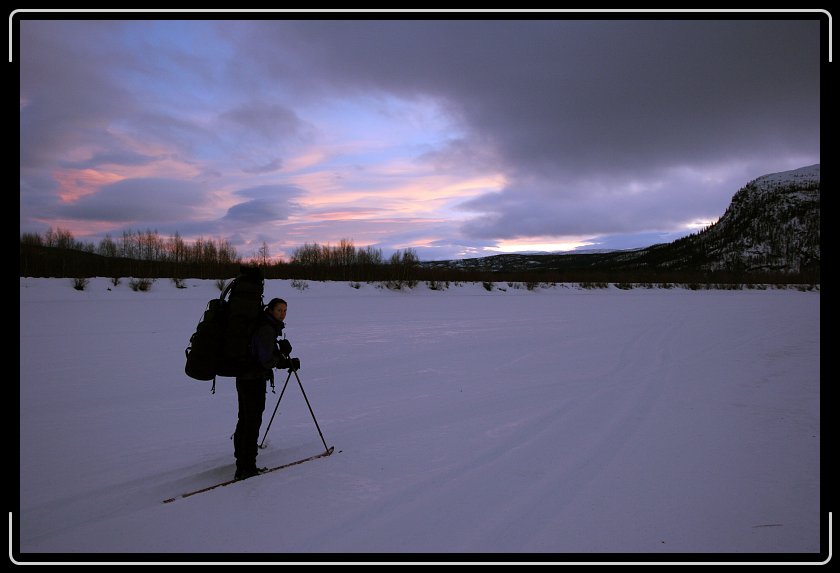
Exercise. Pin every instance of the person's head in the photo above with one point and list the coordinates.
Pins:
(276, 307)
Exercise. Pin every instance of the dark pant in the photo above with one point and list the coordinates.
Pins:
(251, 406)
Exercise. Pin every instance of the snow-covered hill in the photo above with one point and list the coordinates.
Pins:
(772, 224)
(552, 424)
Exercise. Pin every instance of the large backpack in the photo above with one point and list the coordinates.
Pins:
(220, 345)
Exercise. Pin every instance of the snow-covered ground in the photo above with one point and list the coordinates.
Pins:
(464, 421)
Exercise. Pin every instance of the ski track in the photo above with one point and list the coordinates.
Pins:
(524, 445)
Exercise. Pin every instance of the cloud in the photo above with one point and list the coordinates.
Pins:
(65, 96)
(254, 136)
(569, 92)
(256, 211)
(603, 204)
(555, 104)
(565, 127)
(271, 122)
(462, 156)
(116, 157)
(273, 165)
(265, 204)
(131, 200)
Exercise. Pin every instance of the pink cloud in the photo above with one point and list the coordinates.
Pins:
(74, 184)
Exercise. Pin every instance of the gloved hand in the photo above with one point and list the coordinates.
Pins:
(280, 361)
(294, 364)
(285, 347)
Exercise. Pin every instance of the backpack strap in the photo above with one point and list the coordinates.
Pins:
(228, 287)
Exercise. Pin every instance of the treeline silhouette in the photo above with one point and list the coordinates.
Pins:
(134, 254)
(344, 262)
(148, 255)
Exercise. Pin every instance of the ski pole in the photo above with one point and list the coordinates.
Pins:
(310, 409)
(275, 409)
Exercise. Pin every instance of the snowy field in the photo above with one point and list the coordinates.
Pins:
(550, 422)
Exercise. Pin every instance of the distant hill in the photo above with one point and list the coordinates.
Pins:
(772, 225)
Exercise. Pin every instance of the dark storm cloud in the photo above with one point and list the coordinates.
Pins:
(579, 94)
(563, 104)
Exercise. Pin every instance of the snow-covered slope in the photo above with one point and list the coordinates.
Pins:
(773, 223)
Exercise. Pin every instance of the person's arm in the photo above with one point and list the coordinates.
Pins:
(264, 347)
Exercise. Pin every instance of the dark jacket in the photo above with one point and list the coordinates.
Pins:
(263, 347)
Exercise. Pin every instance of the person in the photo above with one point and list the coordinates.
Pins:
(268, 353)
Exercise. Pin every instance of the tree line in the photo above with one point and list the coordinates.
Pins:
(146, 254)
(135, 253)
(347, 263)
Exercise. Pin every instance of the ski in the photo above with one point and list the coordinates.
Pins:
(268, 470)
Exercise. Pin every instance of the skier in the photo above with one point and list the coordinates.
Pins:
(251, 387)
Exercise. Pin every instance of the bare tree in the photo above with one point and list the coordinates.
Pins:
(33, 239)
(107, 247)
(262, 255)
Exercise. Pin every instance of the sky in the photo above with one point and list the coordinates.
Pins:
(453, 137)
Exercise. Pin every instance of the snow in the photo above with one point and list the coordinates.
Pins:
(811, 174)
(542, 423)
